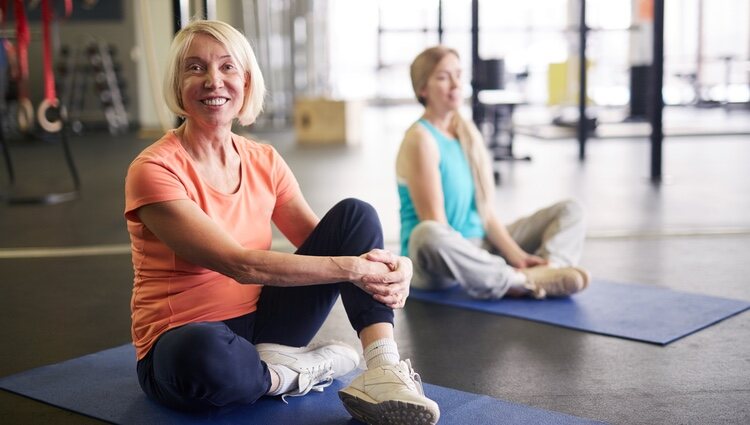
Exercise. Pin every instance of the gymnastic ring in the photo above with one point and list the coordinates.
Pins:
(25, 114)
(41, 112)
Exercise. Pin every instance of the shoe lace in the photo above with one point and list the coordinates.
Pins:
(405, 368)
(315, 378)
(536, 290)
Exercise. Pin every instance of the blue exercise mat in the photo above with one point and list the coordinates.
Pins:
(632, 311)
(103, 385)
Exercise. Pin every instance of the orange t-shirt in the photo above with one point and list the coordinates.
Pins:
(168, 291)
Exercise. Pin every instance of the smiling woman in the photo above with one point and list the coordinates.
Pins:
(218, 319)
(243, 59)
(212, 84)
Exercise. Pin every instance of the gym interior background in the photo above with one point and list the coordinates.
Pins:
(666, 187)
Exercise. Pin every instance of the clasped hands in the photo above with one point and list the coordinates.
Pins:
(389, 277)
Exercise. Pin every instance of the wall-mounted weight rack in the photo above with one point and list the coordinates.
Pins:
(93, 63)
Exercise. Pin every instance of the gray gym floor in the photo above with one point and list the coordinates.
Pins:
(691, 233)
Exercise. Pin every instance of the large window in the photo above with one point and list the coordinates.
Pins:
(373, 42)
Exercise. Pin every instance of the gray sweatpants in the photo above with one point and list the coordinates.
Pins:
(443, 258)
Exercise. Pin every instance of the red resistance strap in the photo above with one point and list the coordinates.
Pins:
(23, 37)
(49, 76)
(3, 11)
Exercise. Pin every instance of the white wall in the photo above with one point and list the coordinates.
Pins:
(152, 113)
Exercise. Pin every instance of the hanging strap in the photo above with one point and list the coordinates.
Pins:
(3, 11)
(23, 37)
(50, 96)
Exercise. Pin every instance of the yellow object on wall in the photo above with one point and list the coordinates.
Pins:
(562, 83)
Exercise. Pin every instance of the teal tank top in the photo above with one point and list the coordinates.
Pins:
(458, 192)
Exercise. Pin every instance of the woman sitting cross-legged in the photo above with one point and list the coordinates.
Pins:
(448, 224)
(218, 319)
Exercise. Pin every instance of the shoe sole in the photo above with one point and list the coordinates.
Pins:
(389, 412)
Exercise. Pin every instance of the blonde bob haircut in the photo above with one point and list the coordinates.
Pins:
(237, 46)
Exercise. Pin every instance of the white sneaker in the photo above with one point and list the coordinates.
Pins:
(318, 365)
(390, 394)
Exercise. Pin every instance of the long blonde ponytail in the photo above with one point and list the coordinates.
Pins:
(475, 150)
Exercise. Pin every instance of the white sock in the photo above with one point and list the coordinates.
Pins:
(517, 279)
(381, 352)
(287, 379)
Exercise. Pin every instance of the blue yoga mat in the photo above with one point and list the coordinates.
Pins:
(631, 311)
(103, 385)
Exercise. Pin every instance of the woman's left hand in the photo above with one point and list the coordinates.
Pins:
(391, 288)
(528, 260)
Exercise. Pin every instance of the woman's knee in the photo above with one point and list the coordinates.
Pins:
(198, 336)
(207, 362)
(356, 206)
(359, 213)
(197, 348)
(428, 242)
(572, 210)
(427, 235)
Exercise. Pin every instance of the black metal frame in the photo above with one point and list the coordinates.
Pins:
(500, 115)
(656, 83)
(583, 125)
(47, 198)
(657, 80)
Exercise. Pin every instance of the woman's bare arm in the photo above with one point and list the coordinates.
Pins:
(417, 164)
(188, 231)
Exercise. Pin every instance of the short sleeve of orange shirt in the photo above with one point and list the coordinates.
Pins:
(169, 292)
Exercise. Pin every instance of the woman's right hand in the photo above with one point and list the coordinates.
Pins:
(525, 260)
(387, 277)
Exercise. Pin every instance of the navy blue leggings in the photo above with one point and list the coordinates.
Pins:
(209, 365)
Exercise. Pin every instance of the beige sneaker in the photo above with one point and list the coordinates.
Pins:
(555, 282)
(390, 394)
(585, 275)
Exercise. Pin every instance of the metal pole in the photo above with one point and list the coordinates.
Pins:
(474, 31)
(475, 60)
(582, 121)
(656, 87)
(379, 46)
(8, 159)
(699, 54)
(181, 11)
(209, 9)
(440, 22)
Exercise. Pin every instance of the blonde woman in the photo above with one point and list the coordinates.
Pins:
(220, 320)
(448, 224)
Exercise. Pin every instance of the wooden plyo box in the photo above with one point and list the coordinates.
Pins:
(321, 121)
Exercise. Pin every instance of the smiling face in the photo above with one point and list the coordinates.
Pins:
(443, 88)
(213, 83)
